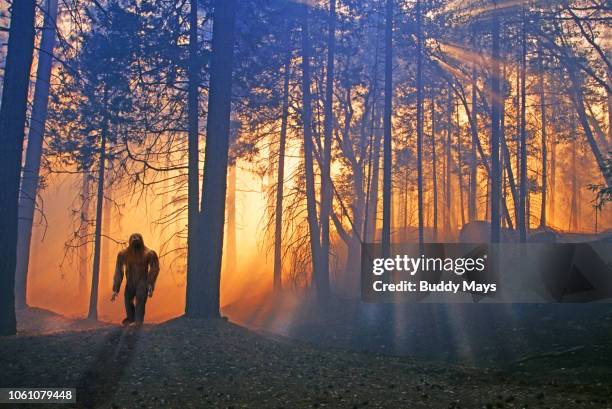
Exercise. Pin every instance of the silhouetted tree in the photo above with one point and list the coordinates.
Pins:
(386, 227)
(204, 283)
(31, 169)
(12, 122)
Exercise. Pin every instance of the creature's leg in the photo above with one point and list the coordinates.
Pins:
(129, 304)
(141, 300)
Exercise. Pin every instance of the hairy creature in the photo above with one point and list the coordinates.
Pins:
(141, 267)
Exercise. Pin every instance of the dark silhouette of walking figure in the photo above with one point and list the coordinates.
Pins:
(141, 267)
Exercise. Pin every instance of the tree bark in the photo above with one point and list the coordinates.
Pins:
(372, 205)
(543, 135)
(510, 174)
(83, 265)
(322, 276)
(280, 182)
(193, 178)
(460, 170)
(495, 132)
(473, 188)
(12, 122)
(95, 276)
(230, 257)
(573, 219)
(523, 224)
(609, 95)
(371, 194)
(419, 119)
(503, 164)
(434, 169)
(386, 227)
(311, 205)
(31, 169)
(553, 179)
(449, 186)
(204, 300)
(105, 269)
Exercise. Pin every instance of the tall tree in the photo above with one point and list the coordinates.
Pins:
(543, 135)
(95, 277)
(434, 168)
(106, 268)
(193, 178)
(322, 276)
(230, 253)
(495, 129)
(280, 180)
(609, 100)
(473, 182)
(448, 189)
(575, 193)
(522, 223)
(311, 206)
(12, 122)
(204, 300)
(386, 227)
(30, 174)
(419, 118)
(371, 210)
(83, 232)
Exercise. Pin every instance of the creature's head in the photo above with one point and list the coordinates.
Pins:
(136, 242)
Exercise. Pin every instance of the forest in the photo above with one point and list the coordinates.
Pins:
(257, 145)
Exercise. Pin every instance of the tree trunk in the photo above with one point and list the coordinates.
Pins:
(356, 220)
(280, 182)
(419, 120)
(609, 95)
(95, 276)
(510, 174)
(553, 179)
(473, 188)
(311, 205)
(573, 224)
(449, 186)
(83, 267)
(372, 208)
(543, 135)
(386, 227)
(495, 132)
(193, 178)
(30, 174)
(204, 300)
(230, 257)
(322, 276)
(460, 170)
(12, 122)
(505, 164)
(405, 200)
(105, 269)
(371, 193)
(434, 169)
(522, 223)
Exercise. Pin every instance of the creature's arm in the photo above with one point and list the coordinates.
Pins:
(153, 265)
(118, 273)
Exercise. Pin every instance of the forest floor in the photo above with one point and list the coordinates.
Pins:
(187, 363)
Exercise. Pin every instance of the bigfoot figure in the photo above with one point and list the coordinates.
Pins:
(141, 269)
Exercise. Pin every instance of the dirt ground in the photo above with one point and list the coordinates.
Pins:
(213, 363)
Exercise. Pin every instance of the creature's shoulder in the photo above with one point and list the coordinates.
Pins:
(150, 254)
(122, 253)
